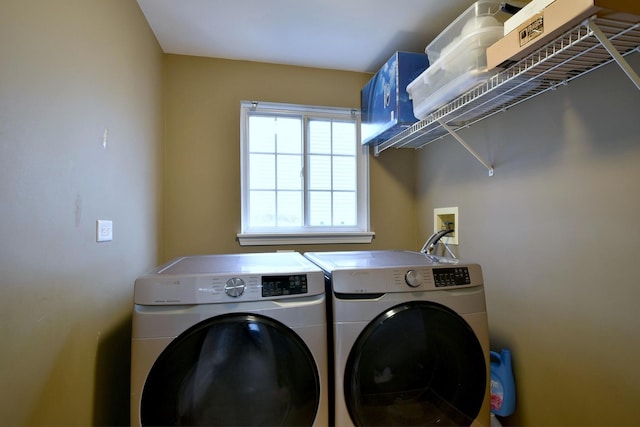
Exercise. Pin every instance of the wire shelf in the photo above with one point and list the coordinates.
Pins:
(571, 55)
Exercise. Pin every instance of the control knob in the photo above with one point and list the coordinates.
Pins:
(234, 287)
(413, 278)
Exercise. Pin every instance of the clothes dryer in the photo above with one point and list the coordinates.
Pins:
(224, 340)
(410, 339)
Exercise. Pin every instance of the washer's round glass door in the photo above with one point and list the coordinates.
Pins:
(233, 370)
(416, 364)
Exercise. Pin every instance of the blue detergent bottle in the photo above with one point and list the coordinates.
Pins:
(503, 388)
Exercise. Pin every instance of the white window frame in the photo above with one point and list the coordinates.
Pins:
(360, 233)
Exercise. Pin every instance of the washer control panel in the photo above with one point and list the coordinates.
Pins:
(275, 286)
(231, 278)
(451, 276)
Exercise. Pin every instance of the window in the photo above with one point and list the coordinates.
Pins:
(304, 175)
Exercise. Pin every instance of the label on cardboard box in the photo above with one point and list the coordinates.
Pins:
(525, 14)
(532, 29)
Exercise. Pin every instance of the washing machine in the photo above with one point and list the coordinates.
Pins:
(230, 340)
(410, 339)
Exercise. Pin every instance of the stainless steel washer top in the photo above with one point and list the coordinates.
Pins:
(258, 263)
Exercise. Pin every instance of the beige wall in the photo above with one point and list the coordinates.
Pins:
(202, 161)
(555, 229)
(557, 233)
(70, 69)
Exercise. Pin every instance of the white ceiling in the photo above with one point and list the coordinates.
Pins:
(354, 35)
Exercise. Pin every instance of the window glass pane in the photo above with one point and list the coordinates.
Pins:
(263, 171)
(319, 137)
(319, 172)
(344, 173)
(344, 208)
(290, 209)
(344, 138)
(301, 169)
(262, 208)
(289, 172)
(320, 208)
(262, 132)
(289, 135)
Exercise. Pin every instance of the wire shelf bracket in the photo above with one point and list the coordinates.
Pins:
(602, 38)
(473, 152)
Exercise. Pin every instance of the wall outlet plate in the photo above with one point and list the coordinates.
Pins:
(447, 218)
(104, 230)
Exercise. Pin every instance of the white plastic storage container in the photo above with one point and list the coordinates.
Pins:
(458, 57)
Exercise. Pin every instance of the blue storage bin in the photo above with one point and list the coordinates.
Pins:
(385, 106)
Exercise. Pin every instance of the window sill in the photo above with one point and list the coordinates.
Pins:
(257, 239)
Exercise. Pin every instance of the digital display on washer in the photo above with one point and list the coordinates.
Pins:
(274, 286)
(457, 276)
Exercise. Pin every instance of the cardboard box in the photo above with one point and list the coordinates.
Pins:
(558, 17)
(385, 106)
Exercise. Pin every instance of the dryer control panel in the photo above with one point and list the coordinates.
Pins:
(451, 276)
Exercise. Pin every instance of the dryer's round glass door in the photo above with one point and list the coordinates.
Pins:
(233, 370)
(418, 363)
